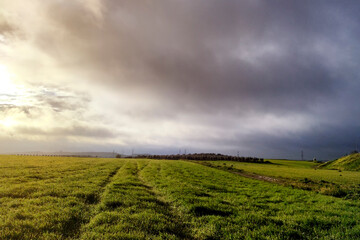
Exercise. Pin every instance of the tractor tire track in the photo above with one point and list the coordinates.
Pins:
(95, 200)
(182, 230)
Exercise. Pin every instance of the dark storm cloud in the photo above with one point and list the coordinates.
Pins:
(219, 64)
(197, 51)
(324, 143)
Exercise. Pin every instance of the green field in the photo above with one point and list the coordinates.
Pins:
(297, 170)
(84, 198)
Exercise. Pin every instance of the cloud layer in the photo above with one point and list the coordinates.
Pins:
(266, 78)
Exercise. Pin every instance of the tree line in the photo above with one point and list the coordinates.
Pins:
(204, 157)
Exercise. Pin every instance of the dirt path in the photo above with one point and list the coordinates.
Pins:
(258, 177)
(245, 174)
(332, 189)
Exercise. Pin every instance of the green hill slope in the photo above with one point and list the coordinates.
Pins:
(350, 163)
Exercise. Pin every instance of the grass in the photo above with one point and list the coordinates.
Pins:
(302, 174)
(83, 198)
(221, 205)
(130, 209)
(49, 198)
(295, 170)
(350, 163)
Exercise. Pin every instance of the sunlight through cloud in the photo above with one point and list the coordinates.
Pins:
(7, 86)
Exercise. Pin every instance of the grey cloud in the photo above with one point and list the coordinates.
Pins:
(186, 50)
(232, 59)
(61, 103)
(29, 111)
(72, 131)
(5, 27)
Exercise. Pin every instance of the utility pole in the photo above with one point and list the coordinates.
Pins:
(238, 154)
(302, 155)
(132, 153)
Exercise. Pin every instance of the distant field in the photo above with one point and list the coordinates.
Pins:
(296, 170)
(83, 198)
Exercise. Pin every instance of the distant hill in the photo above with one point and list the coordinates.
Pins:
(350, 163)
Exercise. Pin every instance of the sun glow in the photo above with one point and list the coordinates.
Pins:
(7, 122)
(7, 86)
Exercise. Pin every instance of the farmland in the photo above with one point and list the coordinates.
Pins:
(297, 170)
(85, 198)
(298, 174)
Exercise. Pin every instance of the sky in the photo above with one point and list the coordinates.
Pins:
(262, 78)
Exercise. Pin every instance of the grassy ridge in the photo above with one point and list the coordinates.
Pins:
(298, 170)
(299, 174)
(349, 163)
(81, 198)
